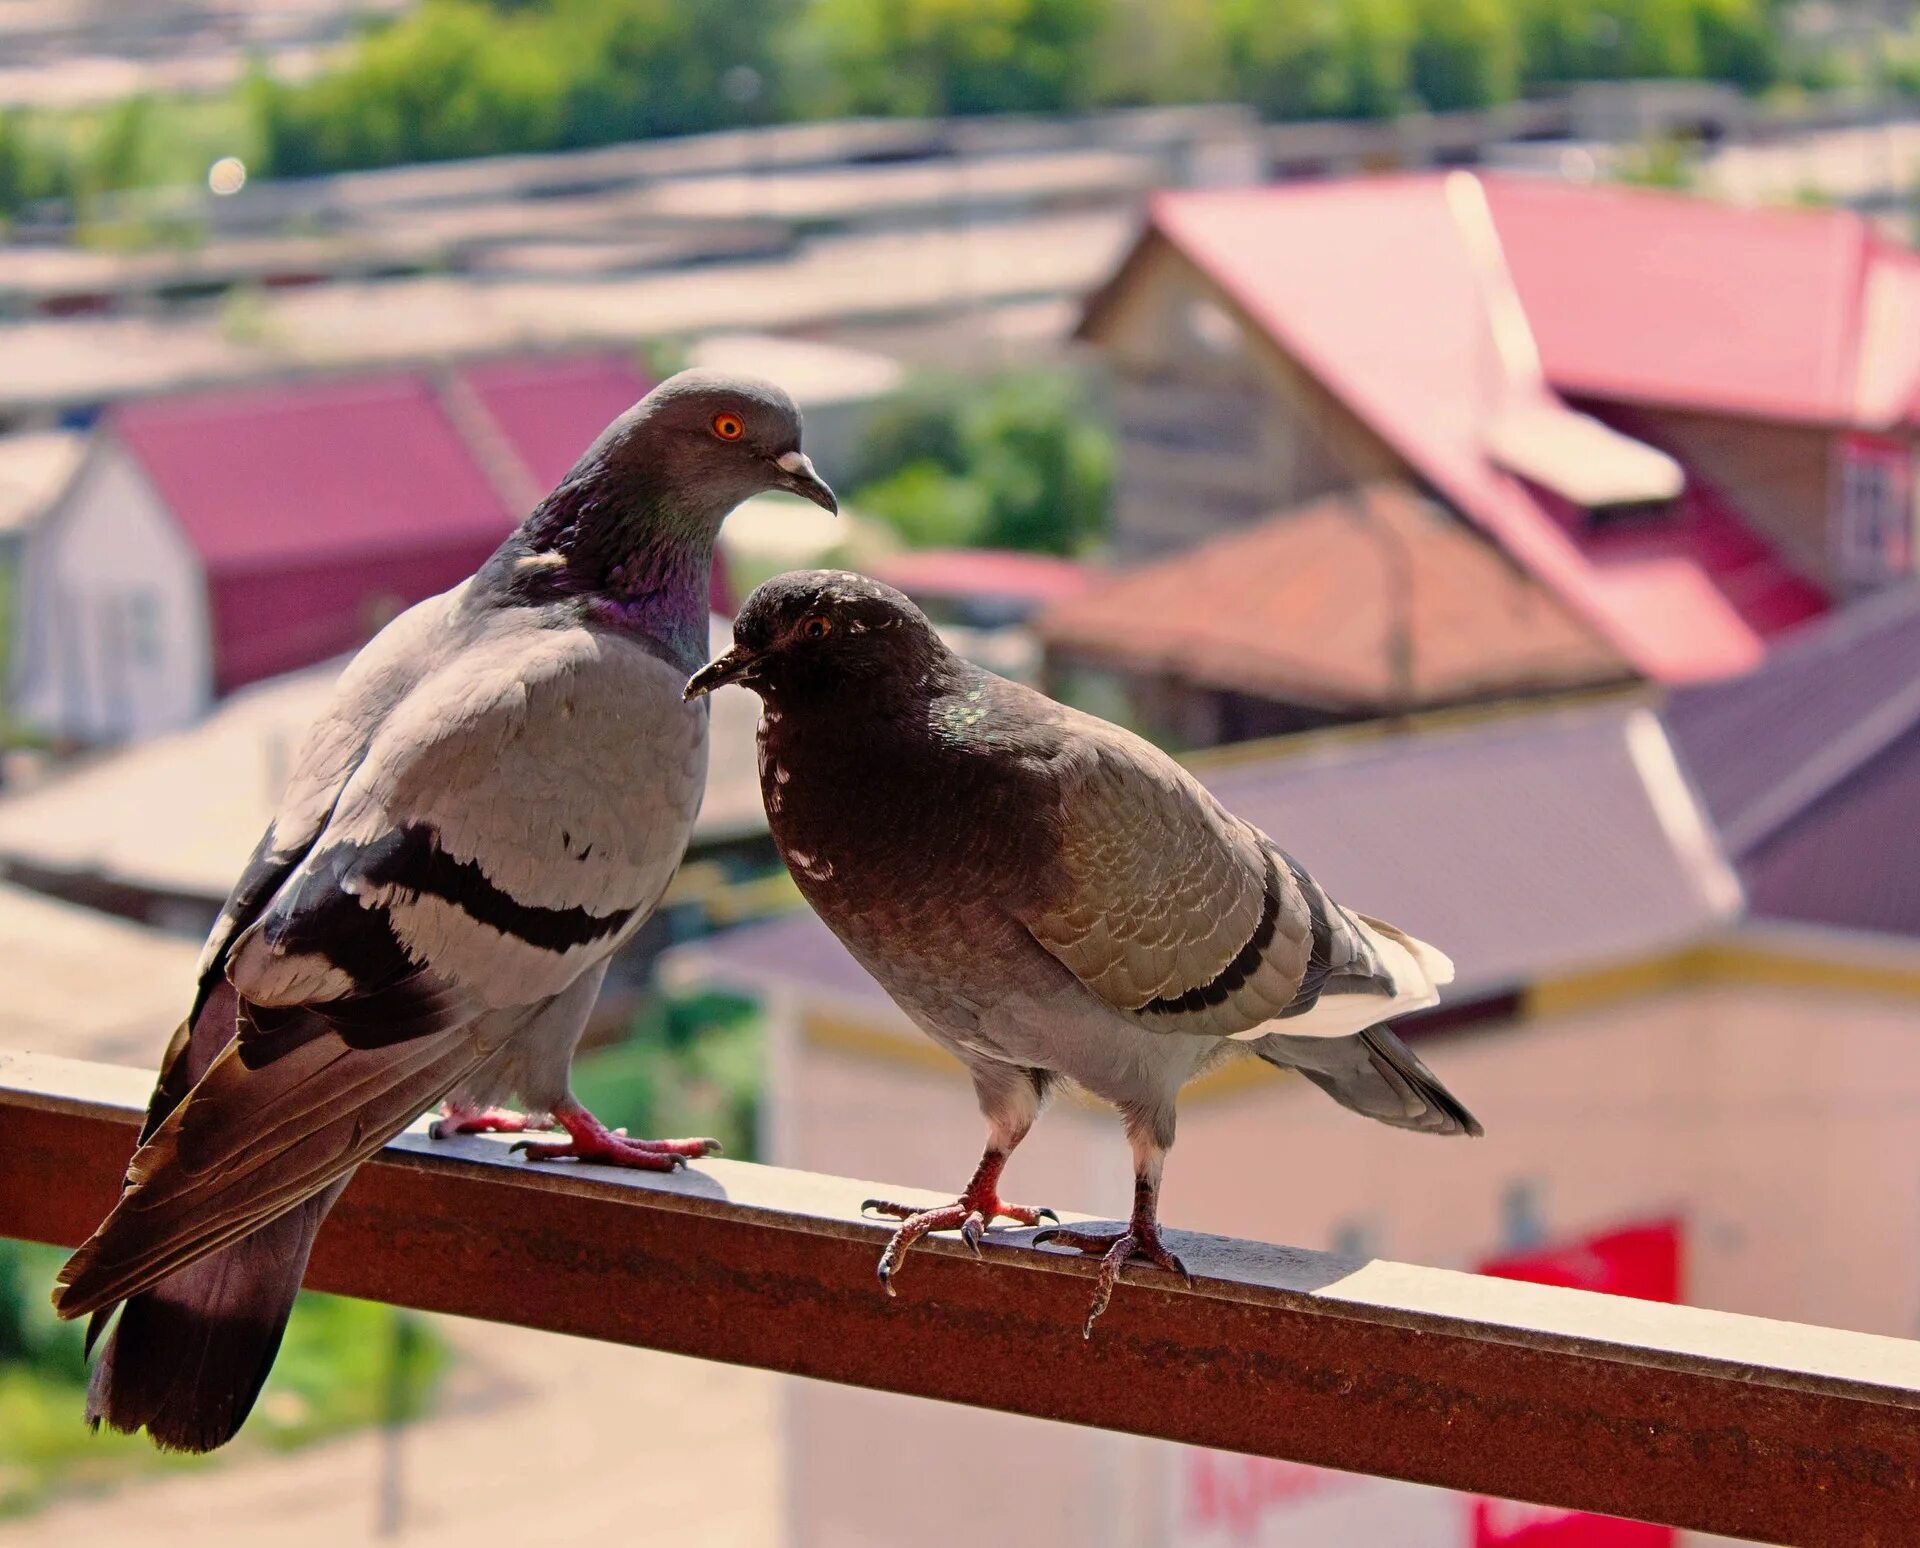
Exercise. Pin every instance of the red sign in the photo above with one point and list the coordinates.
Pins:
(1643, 1261)
(1507, 1524)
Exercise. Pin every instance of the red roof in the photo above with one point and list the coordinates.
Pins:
(1375, 601)
(550, 409)
(1374, 286)
(346, 470)
(1653, 297)
(319, 507)
(983, 573)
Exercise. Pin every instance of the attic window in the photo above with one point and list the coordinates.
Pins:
(1584, 462)
(1875, 516)
(1215, 330)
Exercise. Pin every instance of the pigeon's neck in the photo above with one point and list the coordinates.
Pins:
(644, 570)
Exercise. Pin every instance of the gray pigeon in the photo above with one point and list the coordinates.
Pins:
(1048, 896)
(493, 803)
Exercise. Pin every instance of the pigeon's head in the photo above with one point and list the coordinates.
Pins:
(703, 441)
(822, 630)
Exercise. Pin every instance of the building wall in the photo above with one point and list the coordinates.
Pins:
(1216, 427)
(112, 636)
(1751, 1110)
(1778, 477)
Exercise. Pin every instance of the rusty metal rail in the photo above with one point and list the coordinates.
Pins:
(1729, 1424)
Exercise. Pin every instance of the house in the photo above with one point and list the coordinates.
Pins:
(210, 540)
(1657, 1123)
(1692, 424)
(1359, 605)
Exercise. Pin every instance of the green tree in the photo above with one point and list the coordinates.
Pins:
(918, 57)
(1739, 42)
(1288, 61)
(1465, 54)
(1022, 462)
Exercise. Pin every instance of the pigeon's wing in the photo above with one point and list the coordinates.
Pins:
(1178, 914)
(353, 1016)
(373, 682)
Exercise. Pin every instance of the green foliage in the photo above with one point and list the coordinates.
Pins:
(461, 78)
(457, 78)
(943, 56)
(1020, 462)
(1466, 54)
(341, 1366)
(1662, 163)
(688, 1066)
(928, 506)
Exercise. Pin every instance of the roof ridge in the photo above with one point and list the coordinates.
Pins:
(488, 443)
(1829, 765)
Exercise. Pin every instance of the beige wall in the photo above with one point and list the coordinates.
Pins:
(1781, 1121)
(1779, 477)
(1217, 427)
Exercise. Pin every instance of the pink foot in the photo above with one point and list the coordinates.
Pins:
(972, 1214)
(1115, 1249)
(591, 1140)
(457, 1118)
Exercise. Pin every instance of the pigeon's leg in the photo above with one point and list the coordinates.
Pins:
(588, 1139)
(1011, 1100)
(1138, 1239)
(465, 1118)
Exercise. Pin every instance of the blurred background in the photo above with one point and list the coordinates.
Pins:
(1480, 434)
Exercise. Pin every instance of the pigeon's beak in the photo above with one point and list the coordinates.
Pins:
(797, 475)
(717, 673)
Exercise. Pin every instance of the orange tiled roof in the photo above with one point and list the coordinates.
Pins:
(1302, 607)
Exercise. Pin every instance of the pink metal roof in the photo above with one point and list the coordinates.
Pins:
(550, 409)
(1373, 286)
(1656, 297)
(310, 471)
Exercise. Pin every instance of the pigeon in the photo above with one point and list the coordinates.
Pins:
(491, 805)
(1049, 898)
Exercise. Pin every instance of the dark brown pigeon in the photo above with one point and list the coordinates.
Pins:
(493, 803)
(1050, 897)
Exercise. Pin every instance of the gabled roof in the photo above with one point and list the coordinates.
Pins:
(313, 472)
(1380, 289)
(1645, 296)
(1525, 846)
(1376, 601)
(1810, 767)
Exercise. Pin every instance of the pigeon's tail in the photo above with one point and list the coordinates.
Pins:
(187, 1358)
(1374, 1074)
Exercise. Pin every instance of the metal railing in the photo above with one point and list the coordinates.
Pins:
(1675, 1414)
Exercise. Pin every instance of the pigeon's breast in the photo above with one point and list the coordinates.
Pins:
(547, 829)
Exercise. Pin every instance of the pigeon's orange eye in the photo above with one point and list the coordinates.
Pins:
(729, 427)
(818, 627)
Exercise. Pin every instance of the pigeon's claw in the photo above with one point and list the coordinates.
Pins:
(1115, 1249)
(458, 1118)
(588, 1139)
(972, 1215)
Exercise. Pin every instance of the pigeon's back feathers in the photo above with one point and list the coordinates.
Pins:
(1164, 905)
(1184, 918)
